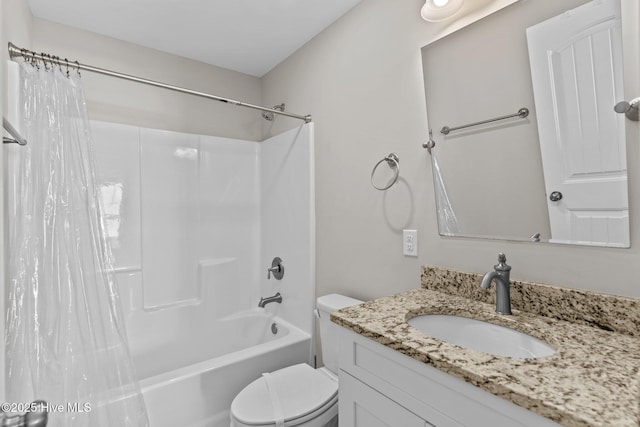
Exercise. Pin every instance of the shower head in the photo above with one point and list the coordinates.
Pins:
(268, 115)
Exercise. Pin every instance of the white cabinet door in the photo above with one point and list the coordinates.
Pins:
(362, 406)
(576, 69)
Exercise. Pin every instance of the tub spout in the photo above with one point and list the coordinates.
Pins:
(264, 301)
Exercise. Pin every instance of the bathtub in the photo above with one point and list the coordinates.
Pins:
(192, 382)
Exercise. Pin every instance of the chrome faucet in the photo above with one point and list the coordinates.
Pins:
(500, 274)
(264, 301)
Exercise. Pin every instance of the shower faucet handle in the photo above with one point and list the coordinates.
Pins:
(276, 268)
(273, 270)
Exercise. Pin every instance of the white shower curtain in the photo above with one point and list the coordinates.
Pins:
(65, 336)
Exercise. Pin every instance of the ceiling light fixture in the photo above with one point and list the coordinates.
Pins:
(439, 10)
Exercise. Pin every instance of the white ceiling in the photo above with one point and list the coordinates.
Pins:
(250, 36)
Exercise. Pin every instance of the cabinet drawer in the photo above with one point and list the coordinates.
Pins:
(362, 406)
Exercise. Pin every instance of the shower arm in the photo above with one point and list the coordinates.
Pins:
(16, 52)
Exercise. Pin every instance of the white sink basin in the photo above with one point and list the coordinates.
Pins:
(481, 336)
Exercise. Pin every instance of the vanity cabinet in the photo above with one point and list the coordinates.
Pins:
(365, 407)
(382, 387)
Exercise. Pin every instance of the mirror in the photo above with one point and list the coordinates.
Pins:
(555, 175)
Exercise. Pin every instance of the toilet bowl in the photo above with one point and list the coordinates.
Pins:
(297, 395)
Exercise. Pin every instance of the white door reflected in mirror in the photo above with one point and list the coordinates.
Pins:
(576, 70)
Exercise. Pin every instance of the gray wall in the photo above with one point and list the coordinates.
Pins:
(362, 81)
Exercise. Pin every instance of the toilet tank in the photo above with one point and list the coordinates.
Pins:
(328, 332)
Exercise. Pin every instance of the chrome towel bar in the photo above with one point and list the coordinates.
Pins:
(522, 113)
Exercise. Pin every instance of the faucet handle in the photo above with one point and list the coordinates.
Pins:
(502, 263)
(276, 268)
(273, 270)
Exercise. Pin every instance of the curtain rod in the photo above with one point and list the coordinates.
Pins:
(16, 52)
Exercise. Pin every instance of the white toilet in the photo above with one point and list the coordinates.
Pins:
(297, 395)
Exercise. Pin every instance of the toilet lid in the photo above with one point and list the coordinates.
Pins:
(300, 388)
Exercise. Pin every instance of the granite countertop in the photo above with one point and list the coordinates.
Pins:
(593, 379)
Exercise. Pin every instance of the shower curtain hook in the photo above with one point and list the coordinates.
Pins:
(66, 61)
(78, 68)
(34, 60)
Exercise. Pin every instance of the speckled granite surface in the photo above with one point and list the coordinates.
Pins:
(609, 312)
(593, 379)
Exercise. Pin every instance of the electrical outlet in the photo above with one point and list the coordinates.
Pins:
(410, 242)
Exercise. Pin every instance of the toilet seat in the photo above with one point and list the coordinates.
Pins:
(305, 393)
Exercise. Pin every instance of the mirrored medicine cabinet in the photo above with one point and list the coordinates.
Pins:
(557, 174)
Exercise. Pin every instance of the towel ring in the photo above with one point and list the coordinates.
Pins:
(394, 163)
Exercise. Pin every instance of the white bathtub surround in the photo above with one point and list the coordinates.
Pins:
(287, 218)
(195, 221)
